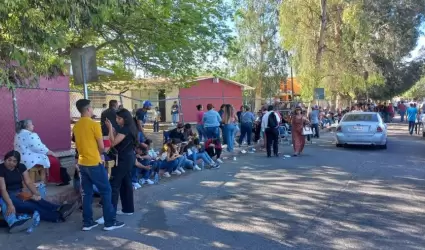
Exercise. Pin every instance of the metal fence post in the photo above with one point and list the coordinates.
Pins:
(15, 106)
(121, 101)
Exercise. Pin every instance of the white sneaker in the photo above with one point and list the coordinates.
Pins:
(136, 186)
(100, 221)
(176, 172)
(166, 175)
(149, 182)
(220, 161)
(182, 170)
(120, 212)
(196, 168)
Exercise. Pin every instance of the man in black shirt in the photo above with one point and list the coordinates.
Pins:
(111, 115)
(178, 133)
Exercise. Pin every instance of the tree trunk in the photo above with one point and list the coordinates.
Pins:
(259, 87)
(321, 42)
(258, 93)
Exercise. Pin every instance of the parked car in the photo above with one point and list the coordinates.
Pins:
(362, 128)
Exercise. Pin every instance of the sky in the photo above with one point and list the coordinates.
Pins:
(420, 44)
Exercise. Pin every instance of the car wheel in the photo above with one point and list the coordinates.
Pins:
(338, 145)
(383, 146)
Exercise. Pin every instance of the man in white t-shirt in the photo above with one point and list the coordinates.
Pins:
(271, 127)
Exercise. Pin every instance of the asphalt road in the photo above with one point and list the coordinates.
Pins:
(328, 198)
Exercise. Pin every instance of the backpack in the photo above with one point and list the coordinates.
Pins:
(272, 120)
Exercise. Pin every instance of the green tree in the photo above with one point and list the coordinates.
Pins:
(258, 59)
(340, 45)
(162, 38)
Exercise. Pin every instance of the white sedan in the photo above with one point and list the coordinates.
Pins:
(362, 128)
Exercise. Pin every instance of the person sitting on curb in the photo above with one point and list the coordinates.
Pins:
(13, 174)
(214, 149)
(178, 133)
(194, 151)
(141, 168)
(21, 222)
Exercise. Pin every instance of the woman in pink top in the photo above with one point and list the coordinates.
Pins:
(200, 123)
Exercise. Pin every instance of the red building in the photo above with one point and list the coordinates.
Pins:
(49, 111)
(214, 90)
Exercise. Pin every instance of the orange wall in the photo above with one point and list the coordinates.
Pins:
(297, 86)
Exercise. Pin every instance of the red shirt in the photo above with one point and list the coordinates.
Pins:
(209, 141)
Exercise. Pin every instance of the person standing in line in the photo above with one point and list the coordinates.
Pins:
(401, 110)
(229, 125)
(141, 118)
(90, 147)
(109, 114)
(175, 110)
(220, 112)
(200, 123)
(247, 119)
(270, 125)
(314, 120)
(412, 112)
(124, 141)
(156, 119)
(211, 120)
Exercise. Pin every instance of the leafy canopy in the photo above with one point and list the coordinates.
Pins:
(159, 37)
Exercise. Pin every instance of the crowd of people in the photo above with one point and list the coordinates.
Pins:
(120, 138)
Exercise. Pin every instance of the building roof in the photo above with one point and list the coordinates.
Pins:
(244, 86)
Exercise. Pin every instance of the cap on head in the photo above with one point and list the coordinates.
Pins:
(180, 125)
(147, 104)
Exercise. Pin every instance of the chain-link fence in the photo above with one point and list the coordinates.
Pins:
(53, 110)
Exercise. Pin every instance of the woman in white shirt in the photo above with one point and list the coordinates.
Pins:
(33, 151)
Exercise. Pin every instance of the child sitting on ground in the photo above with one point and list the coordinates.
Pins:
(141, 167)
(213, 148)
(194, 151)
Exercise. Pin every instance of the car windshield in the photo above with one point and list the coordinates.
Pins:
(360, 118)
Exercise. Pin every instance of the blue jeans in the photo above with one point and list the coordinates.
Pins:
(402, 113)
(13, 218)
(175, 118)
(187, 163)
(203, 156)
(246, 129)
(411, 126)
(229, 135)
(96, 175)
(212, 132)
(48, 211)
(141, 137)
(201, 132)
(315, 127)
(170, 166)
(136, 172)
